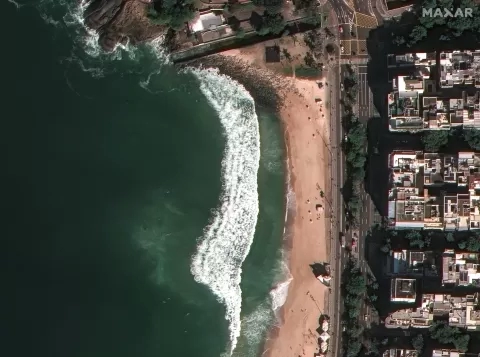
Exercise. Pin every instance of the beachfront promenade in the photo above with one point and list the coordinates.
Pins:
(338, 256)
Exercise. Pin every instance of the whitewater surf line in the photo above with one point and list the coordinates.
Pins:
(226, 241)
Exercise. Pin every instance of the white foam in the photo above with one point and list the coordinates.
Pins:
(226, 241)
(16, 4)
(255, 326)
(279, 294)
(156, 46)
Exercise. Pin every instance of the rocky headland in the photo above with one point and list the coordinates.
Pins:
(121, 21)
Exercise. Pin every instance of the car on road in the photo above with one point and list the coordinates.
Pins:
(341, 86)
(343, 239)
(340, 29)
(342, 49)
(366, 317)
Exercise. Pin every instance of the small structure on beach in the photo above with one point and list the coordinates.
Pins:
(272, 54)
(324, 346)
(322, 273)
(324, 336)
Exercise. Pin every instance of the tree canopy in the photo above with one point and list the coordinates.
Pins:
(447, 334)
(472, 137)
(433, 140)
(172, 13)
(271, 23)
(417, 343)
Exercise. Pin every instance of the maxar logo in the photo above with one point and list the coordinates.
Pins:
(467, 12)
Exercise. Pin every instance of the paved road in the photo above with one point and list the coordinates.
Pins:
(344, 13)
(338, 255)
(365, 97)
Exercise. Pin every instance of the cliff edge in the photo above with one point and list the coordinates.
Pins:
(120, 21)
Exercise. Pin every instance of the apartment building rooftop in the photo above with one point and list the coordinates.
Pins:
(414, 198)
(459, 68)
(403, 290)
(460, 269)
(418, 101)
(403, 102)
(459, 311)
(411, 263)
(418, 317)
(411, 59)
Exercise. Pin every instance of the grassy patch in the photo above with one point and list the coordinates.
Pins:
(302, 71)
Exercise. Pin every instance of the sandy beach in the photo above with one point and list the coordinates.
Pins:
(306, 123)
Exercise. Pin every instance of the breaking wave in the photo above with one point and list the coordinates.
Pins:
(226, 241)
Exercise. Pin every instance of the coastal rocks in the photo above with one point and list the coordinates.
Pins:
(101, 13)
(121, 21)
(266, 87)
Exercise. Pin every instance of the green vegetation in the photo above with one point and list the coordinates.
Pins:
(353, 289)
(443, 333)
(433, 140)
(330, 49)
(417, 240)
(417, 343)
(286, 54)
(172, 13)
(387, 247)
(452, 27)
(240, 33)
(271, 6)
(233, 8)
(472, 137)
(354, 148)
(350, 83)
(450, 237)
(271, 23)
(302, 71)
(472, 243)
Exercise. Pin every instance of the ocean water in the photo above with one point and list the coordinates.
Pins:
(144, 208)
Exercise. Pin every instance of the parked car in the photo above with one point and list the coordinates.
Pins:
(340, 29)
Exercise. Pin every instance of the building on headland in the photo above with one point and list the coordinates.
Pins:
(400, 352)
(434, 191)
(403, 290)
(458, 311)
(430, 93)
(412, 263)
(460, 269)
(447, 353)
(209, 26)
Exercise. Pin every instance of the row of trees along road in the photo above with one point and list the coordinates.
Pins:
(452, 27)
(434, 140)
(354, 147)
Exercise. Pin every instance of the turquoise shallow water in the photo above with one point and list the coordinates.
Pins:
(113, 170)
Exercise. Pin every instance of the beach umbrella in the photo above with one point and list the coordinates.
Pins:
(324, 346)
(324, 336)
